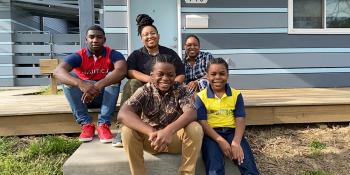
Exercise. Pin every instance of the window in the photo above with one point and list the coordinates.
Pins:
(319, 16)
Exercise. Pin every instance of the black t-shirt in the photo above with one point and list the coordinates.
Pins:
(141, 61)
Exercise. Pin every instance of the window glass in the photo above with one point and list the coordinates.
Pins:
(307, 13)
(338, 13)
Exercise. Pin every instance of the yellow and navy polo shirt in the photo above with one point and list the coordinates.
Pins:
(220, 112)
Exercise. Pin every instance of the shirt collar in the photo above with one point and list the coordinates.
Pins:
(145, 51)
(89, 53)
(197, 58)
(156, 90)
(210, 92)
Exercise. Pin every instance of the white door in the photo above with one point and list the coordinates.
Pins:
(164, 14)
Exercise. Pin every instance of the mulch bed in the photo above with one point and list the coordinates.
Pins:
(290, 149)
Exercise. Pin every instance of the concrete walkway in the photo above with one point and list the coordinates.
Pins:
(103, 159)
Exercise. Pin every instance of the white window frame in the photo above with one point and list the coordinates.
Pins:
(325, 30)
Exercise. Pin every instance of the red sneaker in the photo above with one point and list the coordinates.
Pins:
(104, 133)
(87, 133)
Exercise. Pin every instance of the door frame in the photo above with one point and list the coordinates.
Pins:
(179, 39)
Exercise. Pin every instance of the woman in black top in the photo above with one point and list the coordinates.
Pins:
(139, 62)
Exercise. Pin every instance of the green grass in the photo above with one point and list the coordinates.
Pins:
(35, 155)
(316, 147)
(316, 172)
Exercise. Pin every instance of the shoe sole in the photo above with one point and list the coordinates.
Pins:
(106, 140)
(119, 145)
(85, 139)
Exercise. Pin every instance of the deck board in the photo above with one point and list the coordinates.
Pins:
(45, 114)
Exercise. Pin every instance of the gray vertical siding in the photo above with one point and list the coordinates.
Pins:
(31, 47)
(23, 21)
(18, 20)
(118, 41)
(6, 44)
(252, 36)
(29, 59)
(116, 24)
(19, 62)
(55, 25)
(32, 81)
(115, 19)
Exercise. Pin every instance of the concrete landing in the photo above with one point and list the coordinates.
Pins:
(102, 159)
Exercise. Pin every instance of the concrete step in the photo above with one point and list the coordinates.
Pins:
(96, 158)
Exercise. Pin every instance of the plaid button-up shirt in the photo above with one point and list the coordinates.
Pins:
(160, 110)
(198, 70)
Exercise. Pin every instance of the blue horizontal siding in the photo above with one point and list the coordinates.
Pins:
(6, 76)
(213, 41)
(7, 65)
(234, 10)
(290, 80)
(115, 8)
(287, 60)
(6, 43)
(124, 52)
(289, 71)
(263, 30)
(280, 50)
(234, 20)
(6, 31)
(6, 54)
(116, 30)
(240, 4)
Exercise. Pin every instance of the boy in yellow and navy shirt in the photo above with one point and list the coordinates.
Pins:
(220, 111)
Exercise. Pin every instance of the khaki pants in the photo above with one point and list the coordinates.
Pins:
(186, 141)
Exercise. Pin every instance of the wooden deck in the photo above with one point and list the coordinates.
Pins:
(37, 114)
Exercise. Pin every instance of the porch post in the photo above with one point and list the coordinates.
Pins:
(86, 18)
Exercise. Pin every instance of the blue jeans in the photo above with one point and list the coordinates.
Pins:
(106, 100)
(214, 157)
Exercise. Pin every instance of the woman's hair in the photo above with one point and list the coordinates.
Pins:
(161, 58)
(194, 36)
(217, 61)
(143, 20)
